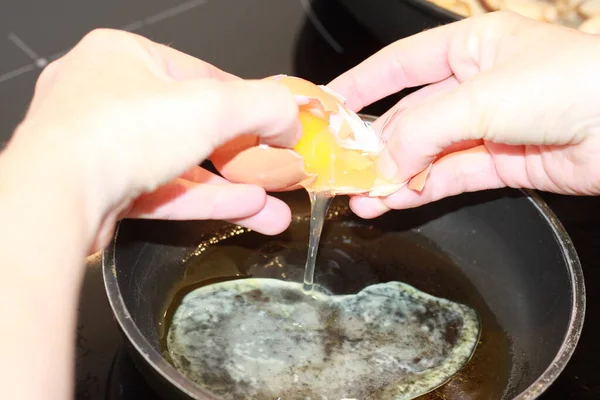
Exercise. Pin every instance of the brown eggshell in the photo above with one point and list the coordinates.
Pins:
(304, 88)
(274, 169)
(321, 102)
(417, 182)
(227, 151)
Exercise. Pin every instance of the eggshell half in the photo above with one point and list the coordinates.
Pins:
(245, 160)
(307, 93)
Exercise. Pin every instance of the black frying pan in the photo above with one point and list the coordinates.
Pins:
(502, 252)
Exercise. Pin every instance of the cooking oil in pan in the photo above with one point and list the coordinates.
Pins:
(354, 257)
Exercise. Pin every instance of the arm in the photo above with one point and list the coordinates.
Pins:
(116, 127)
(45, 235)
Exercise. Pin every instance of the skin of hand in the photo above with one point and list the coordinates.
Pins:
(116, 127)
(506, 101)
(136, 117)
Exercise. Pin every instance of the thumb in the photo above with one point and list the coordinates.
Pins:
(214, 112)
(178, 125)
(191, 119)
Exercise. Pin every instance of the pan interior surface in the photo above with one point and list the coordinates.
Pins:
(493, 251)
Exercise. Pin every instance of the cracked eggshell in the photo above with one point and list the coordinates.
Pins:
(245, 160)
(347, 127)
(309, 94)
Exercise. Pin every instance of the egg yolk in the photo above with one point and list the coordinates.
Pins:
(333, 166)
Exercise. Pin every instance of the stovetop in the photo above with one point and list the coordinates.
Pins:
(251, 38)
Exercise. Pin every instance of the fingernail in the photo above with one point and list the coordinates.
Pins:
(387, 166)
(379, 206)
(369, 207)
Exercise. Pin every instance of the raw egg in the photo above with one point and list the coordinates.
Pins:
(337, 152)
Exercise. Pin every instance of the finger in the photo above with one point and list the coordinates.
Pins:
(193, 118)
(462, 49)
(482, 108)
(230, 109)
(274, 218)
(368, 207)
(244, 205)
(394, 162)
(262, 108)
(186, 200)
(413, 61)
(411, 100)
(463, 171)
(421, 132)
(182, 198)
(195, 195)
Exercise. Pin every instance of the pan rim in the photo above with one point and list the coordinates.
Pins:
(135, 337)
(578, 301)
(569, 343)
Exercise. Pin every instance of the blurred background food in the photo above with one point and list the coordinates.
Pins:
(583, 15)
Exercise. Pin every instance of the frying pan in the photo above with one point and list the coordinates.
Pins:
(503, 252)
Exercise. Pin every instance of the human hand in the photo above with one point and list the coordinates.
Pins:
(127, 121)
(508, 102)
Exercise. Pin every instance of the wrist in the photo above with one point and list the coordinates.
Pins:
(43, 186)
(45, 232)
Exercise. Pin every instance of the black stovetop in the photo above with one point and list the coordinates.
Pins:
(252, 38)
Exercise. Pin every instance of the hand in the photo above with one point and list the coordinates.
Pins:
(508, 102)
(127, 121)
(116, 128)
